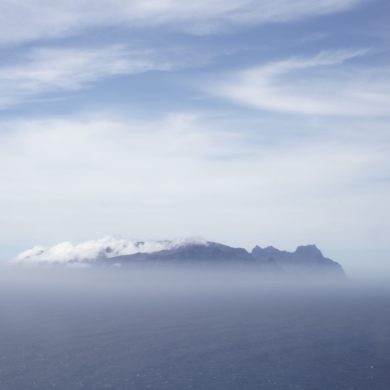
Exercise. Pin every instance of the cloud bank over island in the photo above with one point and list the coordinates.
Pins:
(103, 248)
(305, 261)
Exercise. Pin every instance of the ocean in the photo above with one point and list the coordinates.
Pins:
(151, 330)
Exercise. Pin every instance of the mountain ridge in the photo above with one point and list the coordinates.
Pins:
(305, 259)
(111, 251)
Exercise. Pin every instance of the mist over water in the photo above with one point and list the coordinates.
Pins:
(190, 328)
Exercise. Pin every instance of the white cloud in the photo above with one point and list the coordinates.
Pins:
(47, 70)
(316, 85)
(48, 19)
(188, 175)
(107, 247)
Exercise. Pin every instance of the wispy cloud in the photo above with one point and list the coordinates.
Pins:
(321, 85)
(47, 70)
(179, 175)
(48, 19)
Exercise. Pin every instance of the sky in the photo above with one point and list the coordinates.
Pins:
(247, 122)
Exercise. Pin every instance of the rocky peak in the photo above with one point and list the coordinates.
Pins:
(308, 251)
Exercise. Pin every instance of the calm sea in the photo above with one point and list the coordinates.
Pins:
(147, 332)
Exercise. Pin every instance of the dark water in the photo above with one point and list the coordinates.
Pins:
(106, 335)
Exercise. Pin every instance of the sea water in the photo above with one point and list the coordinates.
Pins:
(82, 329)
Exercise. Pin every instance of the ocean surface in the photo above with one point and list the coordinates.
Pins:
(138, 331)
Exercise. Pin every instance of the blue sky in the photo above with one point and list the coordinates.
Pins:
(247, 122)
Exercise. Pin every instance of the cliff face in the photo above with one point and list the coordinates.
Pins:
(305, 259)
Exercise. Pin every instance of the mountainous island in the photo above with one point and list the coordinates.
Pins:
(306, 259)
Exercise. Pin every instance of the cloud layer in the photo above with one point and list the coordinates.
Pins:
(189, 175)
(314, 86)
(107, 247)
(46, 19)
(48, 70)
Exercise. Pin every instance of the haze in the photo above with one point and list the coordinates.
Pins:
(244, 122)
